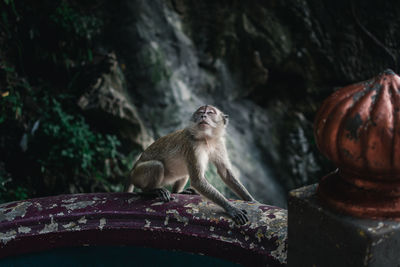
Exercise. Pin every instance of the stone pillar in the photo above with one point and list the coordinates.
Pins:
(352, 218)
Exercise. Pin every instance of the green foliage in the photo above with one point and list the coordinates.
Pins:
(10, 194)
(85, 26)
(4, 179)
(66, 147)
(46, 145)
(78, 31)
(10, 105)
(12, 90)
(10, 98)
(56, 35)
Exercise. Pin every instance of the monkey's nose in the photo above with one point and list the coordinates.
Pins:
(203, 116)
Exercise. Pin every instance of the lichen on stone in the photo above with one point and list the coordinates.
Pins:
(18, 209)
(7, 236)
(178, 217)
(78, 205)
(51, 227)
(102, 223)
(24, 230)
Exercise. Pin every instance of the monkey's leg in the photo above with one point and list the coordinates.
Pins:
(179, 185)
(149, 176)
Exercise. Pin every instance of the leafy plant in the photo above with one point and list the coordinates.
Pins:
(65, 146)
(10, 98)
(85, 26)
(8, 193)
(45, 50)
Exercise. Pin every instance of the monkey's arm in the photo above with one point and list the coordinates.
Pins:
(223, 164)
(209, 191)
(232, 182)
(199, 182)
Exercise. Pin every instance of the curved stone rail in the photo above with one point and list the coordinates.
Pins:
(188, 223)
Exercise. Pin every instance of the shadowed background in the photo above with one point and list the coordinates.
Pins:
(86, 86)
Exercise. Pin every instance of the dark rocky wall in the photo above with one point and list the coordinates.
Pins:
(268, 64)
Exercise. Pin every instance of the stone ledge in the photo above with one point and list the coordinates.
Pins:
(321, 237)
(188, 223)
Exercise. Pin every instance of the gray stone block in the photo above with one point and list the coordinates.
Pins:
(319, 236)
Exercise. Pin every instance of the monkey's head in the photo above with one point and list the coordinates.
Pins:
(208, 122)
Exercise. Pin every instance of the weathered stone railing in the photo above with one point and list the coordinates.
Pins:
(188, 223)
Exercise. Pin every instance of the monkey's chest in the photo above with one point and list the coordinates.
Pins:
(175, 168)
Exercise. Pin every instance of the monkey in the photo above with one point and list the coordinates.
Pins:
(185, 153)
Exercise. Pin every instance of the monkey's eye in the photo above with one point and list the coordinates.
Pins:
(210, 112)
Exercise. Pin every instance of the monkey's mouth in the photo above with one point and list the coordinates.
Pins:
(203, 122)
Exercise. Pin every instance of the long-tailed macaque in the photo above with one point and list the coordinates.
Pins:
(174, 158)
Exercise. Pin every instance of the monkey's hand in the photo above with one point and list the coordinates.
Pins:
(239, 216)
(162, 193)
(189, 191)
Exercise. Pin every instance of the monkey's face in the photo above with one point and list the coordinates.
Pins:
(210, 120)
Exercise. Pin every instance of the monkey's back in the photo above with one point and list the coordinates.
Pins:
(167, 146)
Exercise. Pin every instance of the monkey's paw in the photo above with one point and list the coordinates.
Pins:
(189, 191)
(163, 193)
(239, 216)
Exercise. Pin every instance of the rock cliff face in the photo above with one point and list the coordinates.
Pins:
(108, 102)
(268, 65)
(168, 78)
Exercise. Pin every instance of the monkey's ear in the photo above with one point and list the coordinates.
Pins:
(193, 118)
(225, 118)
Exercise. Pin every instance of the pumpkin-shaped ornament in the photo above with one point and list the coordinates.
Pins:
(358, 128)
